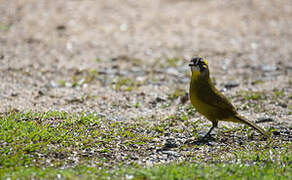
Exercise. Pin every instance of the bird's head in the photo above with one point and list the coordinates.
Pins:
(199, 66)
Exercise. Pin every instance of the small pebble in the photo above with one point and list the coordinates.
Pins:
(268, 68)
(184, 98)
(159, 99)
(170, 143)
(14, 94)
(277, 133)
(172, 71)
(61, 27)
(264, 119)
(231, 85)
(41, 92)
(171, 153)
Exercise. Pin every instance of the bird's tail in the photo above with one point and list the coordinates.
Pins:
(242, 119)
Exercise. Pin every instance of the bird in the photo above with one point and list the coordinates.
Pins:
(210, 102)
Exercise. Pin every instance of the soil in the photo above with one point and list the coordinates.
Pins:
(126, 58)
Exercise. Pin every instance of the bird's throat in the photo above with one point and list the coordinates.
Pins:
(199, 80)
(200, 75)
(195, 75)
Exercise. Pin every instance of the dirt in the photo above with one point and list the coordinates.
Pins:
(70, 55)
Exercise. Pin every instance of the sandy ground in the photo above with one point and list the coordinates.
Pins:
(70, 55)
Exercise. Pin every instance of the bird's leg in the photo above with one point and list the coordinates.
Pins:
(214, 124)
(208, 133)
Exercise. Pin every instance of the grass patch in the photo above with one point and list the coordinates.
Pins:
(125, 84)
(184, 170)
(80, 77)
(62, 139)
(249, 95)
(56, 145)
(176, 94)
(168, 62)
(4, 26)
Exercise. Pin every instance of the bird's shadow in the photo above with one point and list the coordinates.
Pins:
(205, 140)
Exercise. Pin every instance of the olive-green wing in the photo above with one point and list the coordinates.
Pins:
(211, 96)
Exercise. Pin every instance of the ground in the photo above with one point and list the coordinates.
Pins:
(126, 64)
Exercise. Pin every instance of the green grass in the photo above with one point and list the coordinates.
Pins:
(215, 171)
(254, 96)
(80, 77)
(267, 171)
(177, 93)
(125, 84)
(56, 145)
(34, 138)
(4, 26)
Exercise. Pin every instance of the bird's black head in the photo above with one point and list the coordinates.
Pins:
(199, 64)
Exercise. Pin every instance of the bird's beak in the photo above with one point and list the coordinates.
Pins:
(192, 63)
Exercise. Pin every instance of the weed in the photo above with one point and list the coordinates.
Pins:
(125, 84)
(176, 94)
